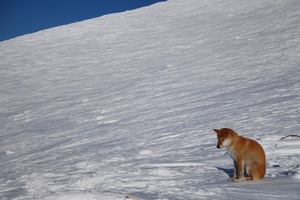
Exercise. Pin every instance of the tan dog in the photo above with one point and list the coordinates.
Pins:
(248, 156)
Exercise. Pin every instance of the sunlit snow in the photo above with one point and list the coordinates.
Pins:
(125, 104)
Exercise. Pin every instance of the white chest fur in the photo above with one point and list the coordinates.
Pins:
(231, 152)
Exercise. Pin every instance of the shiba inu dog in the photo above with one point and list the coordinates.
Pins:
(248, 156)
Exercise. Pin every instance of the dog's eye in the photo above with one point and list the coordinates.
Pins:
(223, 139)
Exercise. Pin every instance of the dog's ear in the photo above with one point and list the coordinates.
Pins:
(216, 130)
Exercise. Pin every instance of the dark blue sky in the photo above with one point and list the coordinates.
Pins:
(19, 17)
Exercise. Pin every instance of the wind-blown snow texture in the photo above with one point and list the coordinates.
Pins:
(125, 104)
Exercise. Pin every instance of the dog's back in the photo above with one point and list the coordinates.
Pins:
(253, 156)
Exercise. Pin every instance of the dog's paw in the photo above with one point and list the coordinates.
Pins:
(232, 179)
(240, 179)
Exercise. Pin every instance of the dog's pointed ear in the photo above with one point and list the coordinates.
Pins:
(216, 130)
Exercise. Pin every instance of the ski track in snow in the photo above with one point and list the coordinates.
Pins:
(125, 104)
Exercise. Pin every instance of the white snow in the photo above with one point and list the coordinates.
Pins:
(125, 104)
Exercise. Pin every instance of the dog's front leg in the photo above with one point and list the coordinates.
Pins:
(240, 171)
(236, 170)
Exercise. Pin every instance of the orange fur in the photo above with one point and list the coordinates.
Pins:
(248, 156)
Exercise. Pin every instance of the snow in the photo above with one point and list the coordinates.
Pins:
(125, 104)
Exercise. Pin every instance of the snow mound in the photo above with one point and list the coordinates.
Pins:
(125, 104)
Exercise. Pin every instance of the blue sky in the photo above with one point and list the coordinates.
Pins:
(19, 17)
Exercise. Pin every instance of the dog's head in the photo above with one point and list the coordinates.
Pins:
(225, 137)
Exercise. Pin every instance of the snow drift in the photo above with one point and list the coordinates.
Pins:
(125, 104)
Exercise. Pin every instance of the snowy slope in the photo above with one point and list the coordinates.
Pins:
(125, 104)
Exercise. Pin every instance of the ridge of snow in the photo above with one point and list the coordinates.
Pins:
(125, 104)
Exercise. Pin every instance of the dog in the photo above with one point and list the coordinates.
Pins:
(248, 156)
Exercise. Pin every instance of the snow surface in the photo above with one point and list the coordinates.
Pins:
(125, 104)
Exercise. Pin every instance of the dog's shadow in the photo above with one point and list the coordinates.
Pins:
(229, 172)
